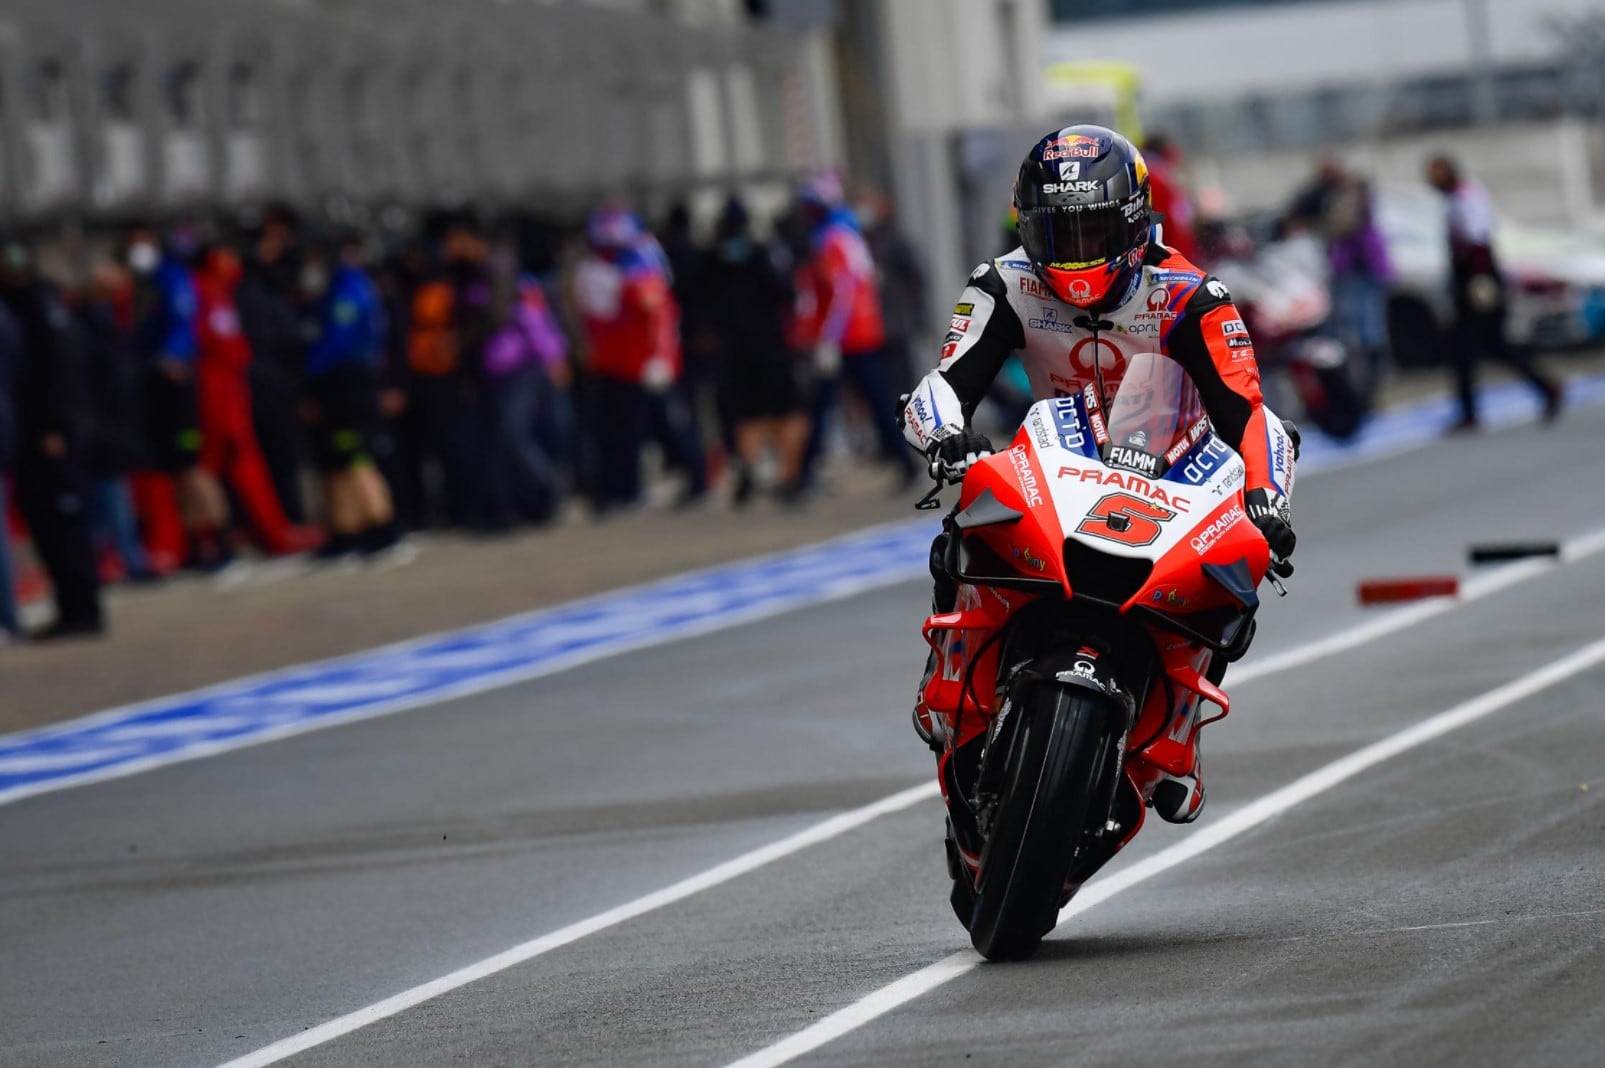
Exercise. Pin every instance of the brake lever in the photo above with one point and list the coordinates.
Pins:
(930, 501)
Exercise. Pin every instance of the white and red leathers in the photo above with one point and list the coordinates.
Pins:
(1172, 308)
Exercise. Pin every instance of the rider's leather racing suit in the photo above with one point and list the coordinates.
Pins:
(1172, 308)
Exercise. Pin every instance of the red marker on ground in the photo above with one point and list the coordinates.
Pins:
(1391, 591)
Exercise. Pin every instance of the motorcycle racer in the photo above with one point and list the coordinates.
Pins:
(1090, 287)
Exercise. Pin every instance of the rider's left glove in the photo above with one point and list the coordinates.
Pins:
(951, 457)
(1268, 512)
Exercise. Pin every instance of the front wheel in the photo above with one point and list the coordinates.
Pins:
(1064, 758)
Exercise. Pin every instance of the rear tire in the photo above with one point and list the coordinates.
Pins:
(1063, 763)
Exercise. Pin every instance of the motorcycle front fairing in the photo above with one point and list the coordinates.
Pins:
(1131, 508)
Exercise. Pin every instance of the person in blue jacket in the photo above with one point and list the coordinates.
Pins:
(342, 376)
(166, 309)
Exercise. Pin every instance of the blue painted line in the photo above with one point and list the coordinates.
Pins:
(429, 670)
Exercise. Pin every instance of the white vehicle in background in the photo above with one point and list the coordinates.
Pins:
(1556, 279)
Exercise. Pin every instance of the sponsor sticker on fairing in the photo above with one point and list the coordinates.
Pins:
(1135, 459)
(1230, 481)
(1199, 469)
(1206, 537)
(1027, 477)
(1154, 491)
(1041, 432)
(1068, 423)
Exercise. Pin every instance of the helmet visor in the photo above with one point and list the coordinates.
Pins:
(1076, 237)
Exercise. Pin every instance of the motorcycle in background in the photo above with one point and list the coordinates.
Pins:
(1283, 291)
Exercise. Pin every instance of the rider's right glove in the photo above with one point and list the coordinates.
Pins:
(951, 457)
(1268, 512)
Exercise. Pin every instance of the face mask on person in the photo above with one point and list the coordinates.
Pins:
(143, 256)
(314, 280)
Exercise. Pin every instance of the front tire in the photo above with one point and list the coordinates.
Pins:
(1064, 758)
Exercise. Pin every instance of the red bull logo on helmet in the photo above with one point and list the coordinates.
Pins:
(1075, 146)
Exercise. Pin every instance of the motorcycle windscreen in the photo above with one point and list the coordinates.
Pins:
(1155, 415)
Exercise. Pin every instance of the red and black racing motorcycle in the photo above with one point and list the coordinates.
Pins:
(1106, 574)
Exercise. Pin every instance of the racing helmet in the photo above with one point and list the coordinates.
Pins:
(1085, 214)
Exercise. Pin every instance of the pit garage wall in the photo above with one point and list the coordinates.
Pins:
(375, 102)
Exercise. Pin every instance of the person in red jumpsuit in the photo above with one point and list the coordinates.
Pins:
(229, 449)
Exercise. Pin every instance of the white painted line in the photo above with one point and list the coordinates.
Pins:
(723, 873)
(936, 974)
(1202, 840)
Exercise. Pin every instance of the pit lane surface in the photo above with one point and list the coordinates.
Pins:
(1446, 905)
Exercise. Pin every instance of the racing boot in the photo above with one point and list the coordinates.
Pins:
(1180, 798)
(925, 725)
(944, 596)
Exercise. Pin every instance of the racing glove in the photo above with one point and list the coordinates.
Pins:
(1269, 511)
(952, 456)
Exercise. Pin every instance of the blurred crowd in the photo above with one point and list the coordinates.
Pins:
(272, 386)
(200, 390)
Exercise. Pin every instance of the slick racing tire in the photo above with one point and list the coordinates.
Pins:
(1063, 762)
